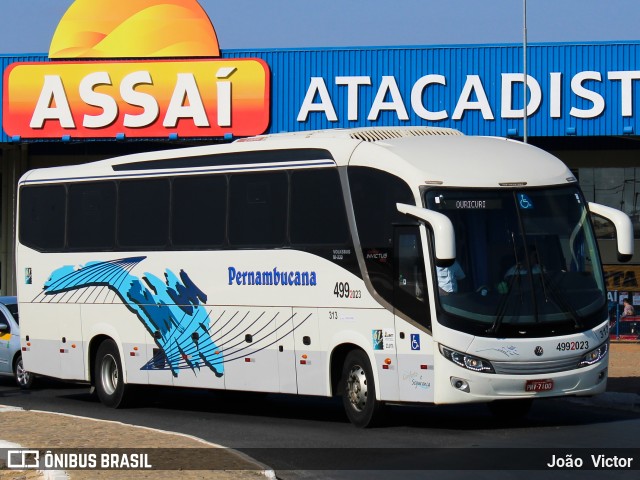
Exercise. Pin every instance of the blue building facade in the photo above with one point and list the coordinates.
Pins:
(573, 89)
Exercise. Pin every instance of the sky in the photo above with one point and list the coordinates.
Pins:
(28, 25)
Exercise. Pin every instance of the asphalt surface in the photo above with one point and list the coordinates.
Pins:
(623, 394)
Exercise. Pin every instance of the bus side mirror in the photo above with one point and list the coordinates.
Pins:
(624, 228)
(443, 233)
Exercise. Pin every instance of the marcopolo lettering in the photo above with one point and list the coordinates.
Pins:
(272, 277)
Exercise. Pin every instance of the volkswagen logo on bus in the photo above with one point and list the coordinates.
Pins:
(538, 351)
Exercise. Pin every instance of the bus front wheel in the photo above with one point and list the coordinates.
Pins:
(109, 381)
(359, 390)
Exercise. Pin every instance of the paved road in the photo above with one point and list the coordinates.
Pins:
(290, 425)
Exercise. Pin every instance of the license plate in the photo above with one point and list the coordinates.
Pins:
(538, 385)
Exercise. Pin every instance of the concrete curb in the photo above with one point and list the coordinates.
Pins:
(62, 475)
(4, 445)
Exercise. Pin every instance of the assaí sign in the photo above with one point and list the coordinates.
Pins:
(161, 77)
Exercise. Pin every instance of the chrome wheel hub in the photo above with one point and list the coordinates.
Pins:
(109, 377)
(357, 387)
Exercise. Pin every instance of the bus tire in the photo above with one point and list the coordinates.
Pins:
(514, 409)
(359, 390)
(23, 378)
(108, 375)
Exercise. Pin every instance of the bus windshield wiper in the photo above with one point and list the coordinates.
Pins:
(557, 299)
(502, 306)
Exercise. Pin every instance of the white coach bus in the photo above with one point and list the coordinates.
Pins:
(383, 265)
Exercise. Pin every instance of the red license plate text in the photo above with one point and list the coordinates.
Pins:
(538, 385)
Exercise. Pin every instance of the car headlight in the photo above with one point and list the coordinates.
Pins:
(594, 356)
(475, 364)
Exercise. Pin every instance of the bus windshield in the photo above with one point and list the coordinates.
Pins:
(526, 265)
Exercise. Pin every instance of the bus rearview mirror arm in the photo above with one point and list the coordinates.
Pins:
(624, 228)
(443, 233)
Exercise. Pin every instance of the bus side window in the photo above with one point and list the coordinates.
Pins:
(143, 213)
(410, 280)
(318, 216)
(42, 217)
(375, 194)
(91, 222)
(199, 211)
(258, 209)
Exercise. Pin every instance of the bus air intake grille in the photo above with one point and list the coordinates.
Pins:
(534, 368)
(379, 134)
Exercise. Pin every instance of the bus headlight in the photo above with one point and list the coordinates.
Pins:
(594, 356)
(475, 364)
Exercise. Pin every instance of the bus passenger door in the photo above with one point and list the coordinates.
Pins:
(414, 345)
(309, 357)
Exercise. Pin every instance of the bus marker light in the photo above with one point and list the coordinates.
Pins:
(62, 350)
(424, 367)
(304, 356)
(247, 360)
(24, 349)
(135, 349)
(28, 344)
(387, 361)
(303, 362)
(73, 345)
(385, 367)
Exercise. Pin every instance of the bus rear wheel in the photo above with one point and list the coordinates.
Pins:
(359, 390)
(109, 381)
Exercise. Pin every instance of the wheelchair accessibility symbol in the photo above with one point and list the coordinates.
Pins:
(415, 341)
(524, 201)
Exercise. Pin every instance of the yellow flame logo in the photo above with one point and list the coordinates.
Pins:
(134, 29)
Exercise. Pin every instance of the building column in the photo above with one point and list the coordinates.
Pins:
(14, 163)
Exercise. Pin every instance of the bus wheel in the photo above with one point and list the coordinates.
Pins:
(23, 378)
(359, 390)
(109, 382)
(510, 409)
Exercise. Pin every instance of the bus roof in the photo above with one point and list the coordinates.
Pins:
(426, 155)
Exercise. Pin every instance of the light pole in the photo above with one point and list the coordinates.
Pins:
(524, 62)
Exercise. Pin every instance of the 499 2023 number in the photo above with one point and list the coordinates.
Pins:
(342, 290)
(569, 346)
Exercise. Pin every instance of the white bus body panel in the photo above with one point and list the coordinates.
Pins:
(278, 319)
(279, 357)
(516, 356)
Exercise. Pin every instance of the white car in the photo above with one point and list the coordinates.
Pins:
(10, 351)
